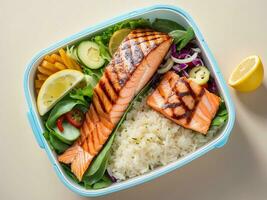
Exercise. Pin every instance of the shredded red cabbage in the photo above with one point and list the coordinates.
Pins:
(179, 67)
(186, 52)
(197, 62)
(212, 86)
(111, 177)
(184, 73)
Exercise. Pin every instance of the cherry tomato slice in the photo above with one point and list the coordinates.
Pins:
(75, 117)
(59, 123)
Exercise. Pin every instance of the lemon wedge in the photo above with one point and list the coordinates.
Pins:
(56, 87)
(248, 75)
(116, 39)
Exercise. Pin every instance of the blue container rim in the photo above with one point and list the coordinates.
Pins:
(220, 141)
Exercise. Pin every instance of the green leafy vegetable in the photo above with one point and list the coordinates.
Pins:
(99, 173)
(95, 74)
(47, 137)
(165, 25)
(182, 40)
(82, 93)
(70, 133)
(72, 52)
(132, 24)
(176, 35)
(61, 108)
(94, 177)
(104, 52)
(59, 146)
(69, 173)
(221, 116)
(101, 156)
(104, 182)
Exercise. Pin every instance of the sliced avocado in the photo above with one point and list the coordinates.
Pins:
(89, 54)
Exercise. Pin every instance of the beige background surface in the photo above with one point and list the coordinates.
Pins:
(233, 30)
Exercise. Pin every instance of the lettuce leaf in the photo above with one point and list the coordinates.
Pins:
(105, 36)
(221, 116)
(96, 74)
(104, 52)
(82, 94)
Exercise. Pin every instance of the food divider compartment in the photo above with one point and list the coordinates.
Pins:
(166, 12)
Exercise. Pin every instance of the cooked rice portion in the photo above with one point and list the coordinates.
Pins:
(147, 140)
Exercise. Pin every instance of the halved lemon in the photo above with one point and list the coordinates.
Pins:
(56, 87)
(116, 39)
(248, 75)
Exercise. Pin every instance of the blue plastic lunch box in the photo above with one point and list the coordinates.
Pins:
(157, 11)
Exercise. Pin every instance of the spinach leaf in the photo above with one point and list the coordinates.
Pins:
(61, 108)
(58, 146)
(67, 170)
(104, 182)
(46, 135)
(183, 40)
(96, 164)
(176, 35)
(90, 180)
(87, 186)
(165, 25)
(70, 132)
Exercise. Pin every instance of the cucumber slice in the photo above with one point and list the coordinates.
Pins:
(89, 54)
(69, 135)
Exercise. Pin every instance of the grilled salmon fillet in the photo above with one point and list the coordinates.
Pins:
(131, 67)
(184, 102)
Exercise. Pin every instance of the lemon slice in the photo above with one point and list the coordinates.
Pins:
(116, 39)
(55, 87)
(248, 75)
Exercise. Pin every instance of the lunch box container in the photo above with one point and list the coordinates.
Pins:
(157, 11)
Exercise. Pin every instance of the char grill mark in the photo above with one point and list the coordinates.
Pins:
(126, 59)
(110, 83)
(187, 111)
(103, 98)
(144, 34)
(171, 105)
(146, 40)
(131, 53)
(108, 89)
(113, 77)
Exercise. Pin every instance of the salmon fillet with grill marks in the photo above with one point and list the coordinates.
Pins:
(184, 102)
(131, 67)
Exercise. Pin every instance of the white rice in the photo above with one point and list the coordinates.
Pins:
(147, 140)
